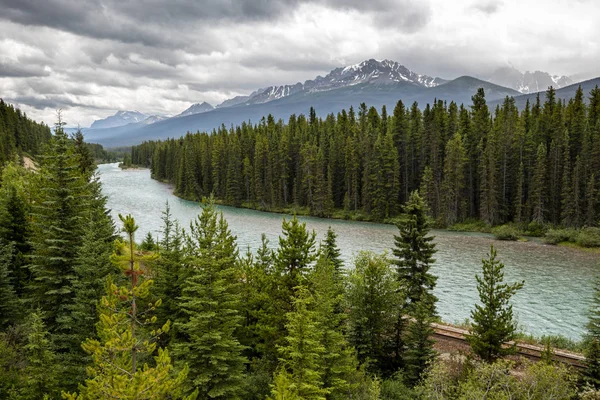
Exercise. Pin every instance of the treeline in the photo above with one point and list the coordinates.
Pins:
(85, 314)
(19, 134)
(102, 155)
(538, 165)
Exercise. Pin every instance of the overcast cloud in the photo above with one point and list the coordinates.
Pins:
(92, 58)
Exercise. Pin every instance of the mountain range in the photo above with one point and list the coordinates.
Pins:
(528, 82)
(376, 83)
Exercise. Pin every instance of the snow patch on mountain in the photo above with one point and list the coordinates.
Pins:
(528, 82)
(120, 118)
(196, 109)
(375, 72)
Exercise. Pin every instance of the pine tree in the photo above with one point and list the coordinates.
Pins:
(9, 302)
(453, 178)
(296, 252)
(148, 244)
(331, 250)
(493, 324)
(414, 252)
(121, 342)
(338, 362)
(210, 301)
(373, 299)
(303, 351)
(538, 184)
(170, 274)
(591, 200)
(592, 351)
(40, 372)
(419, 345)
(15, 228)
(92, 266)
(59, 212)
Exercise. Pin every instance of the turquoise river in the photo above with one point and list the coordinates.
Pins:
(558, 281)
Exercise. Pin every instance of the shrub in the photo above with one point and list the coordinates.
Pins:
(536, 229)
(588, 237)
(555, 236)
(395, 389)
(506, 232)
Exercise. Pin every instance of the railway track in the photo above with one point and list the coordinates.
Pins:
(532, 352)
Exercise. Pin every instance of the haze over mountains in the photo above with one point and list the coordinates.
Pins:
(528, 82)
(373, 82)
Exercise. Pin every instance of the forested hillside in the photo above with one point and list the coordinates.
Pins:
(19, 134)
(534, 166)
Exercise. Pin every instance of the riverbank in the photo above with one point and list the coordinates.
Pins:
(505, 232)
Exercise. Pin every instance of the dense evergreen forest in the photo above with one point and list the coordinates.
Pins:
(88, 313)
(19, 134)
(533, 167)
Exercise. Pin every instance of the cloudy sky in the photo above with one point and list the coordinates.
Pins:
(92, 58)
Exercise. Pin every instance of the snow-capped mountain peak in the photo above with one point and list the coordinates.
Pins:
(528, 82)
(376, 72)
(197, 108)
(120, 118)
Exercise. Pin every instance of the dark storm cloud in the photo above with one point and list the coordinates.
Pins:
(164, 22)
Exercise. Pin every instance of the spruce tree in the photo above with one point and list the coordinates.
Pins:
(592, 351)
(59, 213)
(295, 254)
(303, 350)
(170, 273)
(454, 179)
(41, 366)
(92, 266)
(122, 341)
(493, 324)
(331, 251)
(210, 301)
(373, 298)
(538, 185)
(338, 362)
(10, 307)
(414, 252)
(419, 345)
(15, 230)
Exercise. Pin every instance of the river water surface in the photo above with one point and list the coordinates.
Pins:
(558, 281)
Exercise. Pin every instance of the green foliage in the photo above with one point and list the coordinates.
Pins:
(539, 381)
(302, 354)
(40, 372)
(395, 389)
(331, 250)
(419, 345)
(493, 324)
(506, 232)
(374, 299)
(19, 134)
(584, 237)
(148, 244)
(114, 373)
(555, 236)
(9, 302)
(210, 301)
(59, 211)
(414, 252)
